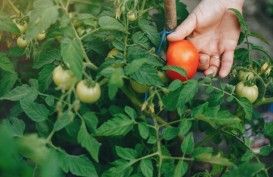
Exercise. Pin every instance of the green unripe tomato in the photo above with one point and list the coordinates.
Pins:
(249, 92)
(139, 88)
(63, 78)
(245, 75)
(86, 93)
(21, 42)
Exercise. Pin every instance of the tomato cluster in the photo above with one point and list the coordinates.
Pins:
(86, 91)
(22, 25)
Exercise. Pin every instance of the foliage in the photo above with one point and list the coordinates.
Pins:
(194, 128)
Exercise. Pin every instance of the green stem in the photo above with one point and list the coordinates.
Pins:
(177, 158)
(263, 101)
(14, 7)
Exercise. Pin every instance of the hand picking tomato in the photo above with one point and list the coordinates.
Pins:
(182, 54)
(249, 92)
(88, 93)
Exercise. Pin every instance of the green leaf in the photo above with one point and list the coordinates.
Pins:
(135, 65)
(36, 112)
(110, 23)
(120, 125)
(216, 98)
(187, 145)
(180, 169)
(214, 116)
(176, 84)
(185, 126)
(143, 130)
(49, 100)
(188, 92)
(146, 75)
(209, 158)
(170, 100)
(177, 69)
(91, 121)
(202, 150)
(139, 38)
(247, 107)
(130, 112)
(259, 36)
(150, 30)
(126, 153)
(43, 15)
(146, 167)
(73, 55)
(46, 57)
(89, 142)
(6, 24)
(45, 77)
(7, 81)
(170, 133)
(245, 169)
(115, 82)
(6, 64)
(63, 121)
(15, 125)
(265, 150)
(77, 165)
(17, 93)
(268, 129)
(248, 155)
(240, 18)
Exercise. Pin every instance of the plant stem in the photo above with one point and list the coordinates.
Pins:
(263, 101)
(14, 7)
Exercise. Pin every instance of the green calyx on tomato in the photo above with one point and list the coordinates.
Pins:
(139, 88)
(182, 54)
(88, 93)
(245, 75)
(63, 78)
(21, 42)
(250, 92)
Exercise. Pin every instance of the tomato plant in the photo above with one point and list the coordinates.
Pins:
(93, 53)
(182, 54)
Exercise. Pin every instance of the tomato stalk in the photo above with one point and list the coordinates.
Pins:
(14, 7)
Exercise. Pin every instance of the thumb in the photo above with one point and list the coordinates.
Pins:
(184, 29)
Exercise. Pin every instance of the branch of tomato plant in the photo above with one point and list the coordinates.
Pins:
(14, 7)
(86, 58)
(247, 147)
(158, 141)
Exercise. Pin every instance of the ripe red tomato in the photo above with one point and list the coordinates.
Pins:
(182, 54)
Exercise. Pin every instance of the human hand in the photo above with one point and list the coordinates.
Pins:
(214, 30)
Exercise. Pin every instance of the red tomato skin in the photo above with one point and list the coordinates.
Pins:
(182, 54)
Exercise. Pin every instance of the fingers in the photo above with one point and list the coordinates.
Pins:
(226, 63)
(184, 29)
(214, 65)
(204, 61)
